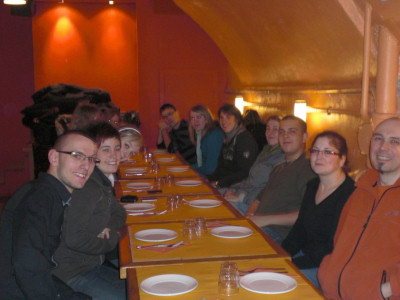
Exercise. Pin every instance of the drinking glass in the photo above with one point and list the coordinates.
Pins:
(179, 200)
(201, 226)
(189, 229)
(171, 203)
(158, 183)
(228, 283)
(169, 180)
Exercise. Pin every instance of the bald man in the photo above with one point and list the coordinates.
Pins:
(365, 262)
(30, 224)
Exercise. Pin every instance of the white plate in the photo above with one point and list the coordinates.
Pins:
(188, 182)
(155, 235)
(139, 207)
(139, 185)
(178, 169)
(204, 203)
(168, 284)
(138, 170)
(268, 283)
(165, 159)
(231, 232)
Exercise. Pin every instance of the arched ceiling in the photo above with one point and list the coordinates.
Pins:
(274, 44)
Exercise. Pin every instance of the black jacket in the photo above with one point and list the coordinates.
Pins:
(30, 228)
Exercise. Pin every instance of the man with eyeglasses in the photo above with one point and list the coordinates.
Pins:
(365, 261)
(31, 222)
(173, 134)
(276, 207)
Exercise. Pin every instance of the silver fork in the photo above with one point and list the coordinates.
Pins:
(160, 245)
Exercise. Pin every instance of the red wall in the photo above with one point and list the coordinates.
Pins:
(16, 85)
(91, 45)
(178, 63)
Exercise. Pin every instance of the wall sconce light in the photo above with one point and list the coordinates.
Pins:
(300, 109)
(240, 103)
(14, 2)
(111, 2)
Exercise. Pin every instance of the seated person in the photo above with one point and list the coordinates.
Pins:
(239, 149)
(364, 263)
(173, 134)
(30, 223)
(90, 228)
(276, 207)
(255, 126)
(84, 115)
(207, 136)
(311, 237)
(131, 142)
(111, 115)
(243, 193)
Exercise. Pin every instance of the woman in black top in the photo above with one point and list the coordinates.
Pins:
(311, 237)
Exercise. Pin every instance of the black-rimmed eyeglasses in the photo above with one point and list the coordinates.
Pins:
(325, 153)
(80, 156)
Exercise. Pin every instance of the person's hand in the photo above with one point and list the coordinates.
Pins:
(162, 125)
(105, 234)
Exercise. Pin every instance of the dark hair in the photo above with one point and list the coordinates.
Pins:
(303, 125)
(61, 139)
(166, 106)
(251, 117)
(131, 117)
(110, 111)
(102, 131)
(336, 140)
(84, 114)
(231, 110)
(273, 118)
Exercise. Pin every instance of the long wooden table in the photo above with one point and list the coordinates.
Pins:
(199, 258)
(206, 273)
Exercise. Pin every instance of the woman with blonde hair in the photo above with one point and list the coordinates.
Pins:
(207, 136)
(131, 141)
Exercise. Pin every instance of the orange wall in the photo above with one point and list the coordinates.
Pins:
(92, 45)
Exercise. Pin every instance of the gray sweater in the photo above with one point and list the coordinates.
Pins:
(91, 209)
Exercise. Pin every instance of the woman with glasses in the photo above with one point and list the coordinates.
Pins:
(311, 237)
(91, 223)
(207, 136)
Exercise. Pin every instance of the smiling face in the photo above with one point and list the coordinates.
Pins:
(291, 139)
(272, 132)
(227, 122)
(385, 151)
(109, 154)
(69, 170)
(129, 148)
(197, 120)
(326, 164)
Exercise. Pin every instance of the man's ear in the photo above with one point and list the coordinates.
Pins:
(305, 137)
(53, 157)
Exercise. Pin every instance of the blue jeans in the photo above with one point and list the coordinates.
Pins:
(311, 273)
(101, 283)
(240, 206)
(273, 234)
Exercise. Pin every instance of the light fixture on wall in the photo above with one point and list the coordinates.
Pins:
(111, 2)
(14, 2)
(300, 109)
(240, 103)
